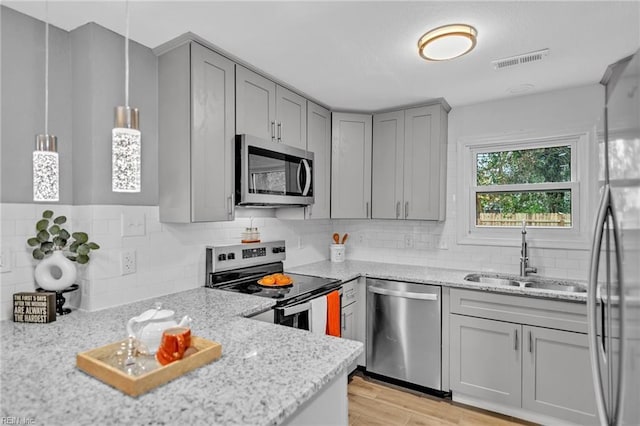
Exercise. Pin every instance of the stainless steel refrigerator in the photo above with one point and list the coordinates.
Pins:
(614, 279)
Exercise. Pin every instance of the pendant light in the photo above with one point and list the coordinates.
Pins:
(46, 169)
(126, 143)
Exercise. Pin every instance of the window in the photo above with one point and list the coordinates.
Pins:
(503, 182)
(527, 184)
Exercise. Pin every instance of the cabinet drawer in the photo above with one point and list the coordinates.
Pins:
(548, 313)
(349, 292)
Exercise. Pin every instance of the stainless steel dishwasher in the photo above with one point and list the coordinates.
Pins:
(404, 333)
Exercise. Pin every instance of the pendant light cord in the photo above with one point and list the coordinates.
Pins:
(126, 57)
(46, 69)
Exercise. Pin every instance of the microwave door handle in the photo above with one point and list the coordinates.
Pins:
(298, 182)
(307, 177)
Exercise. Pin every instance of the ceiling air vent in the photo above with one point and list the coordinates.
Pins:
(525, 58)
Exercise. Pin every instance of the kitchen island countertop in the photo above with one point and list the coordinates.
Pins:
(265, 374)
(351, 269)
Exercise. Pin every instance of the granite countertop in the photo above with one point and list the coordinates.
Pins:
(351, 269)
(266, 371)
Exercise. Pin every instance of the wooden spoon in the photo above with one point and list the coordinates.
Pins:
(336, 238)
(344, 238)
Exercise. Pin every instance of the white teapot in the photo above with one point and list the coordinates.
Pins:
(147, 327)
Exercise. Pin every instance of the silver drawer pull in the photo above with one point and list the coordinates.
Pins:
(515, 341)
(403, 294)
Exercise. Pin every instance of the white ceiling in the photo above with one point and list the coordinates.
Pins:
(363, 56)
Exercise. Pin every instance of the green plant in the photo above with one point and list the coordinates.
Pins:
(52, 237)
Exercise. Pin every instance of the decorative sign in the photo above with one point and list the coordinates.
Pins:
(34, 307)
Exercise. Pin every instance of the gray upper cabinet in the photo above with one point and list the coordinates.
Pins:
(387, 196)
(319, 142)
(351, 166)
(409, 164)
(269, 111)
(196, 133)
(255, 104)
(291, 115)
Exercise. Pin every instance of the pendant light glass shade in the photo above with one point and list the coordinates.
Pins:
(46, 165)
(46, 172)
(125, 151)
(126, 147)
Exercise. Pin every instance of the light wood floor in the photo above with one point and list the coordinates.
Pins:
(373, 403)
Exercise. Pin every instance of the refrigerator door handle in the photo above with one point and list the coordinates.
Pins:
(617, 406)
(595, 347)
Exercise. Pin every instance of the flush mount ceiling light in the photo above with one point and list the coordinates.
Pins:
(447, 42)
(46, 176)
(125, 142)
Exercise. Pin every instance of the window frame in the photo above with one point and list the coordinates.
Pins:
(575, 237)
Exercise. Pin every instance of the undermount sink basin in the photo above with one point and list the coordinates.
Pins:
(525, 282)
(478, 278)
(554, 286)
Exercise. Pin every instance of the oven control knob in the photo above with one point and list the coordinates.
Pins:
(275, 250)
(222, 257)
(231, 256)
(283, 249)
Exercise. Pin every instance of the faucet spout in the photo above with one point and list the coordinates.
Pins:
(524, 254)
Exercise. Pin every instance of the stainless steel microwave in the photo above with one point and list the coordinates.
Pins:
(272, 174)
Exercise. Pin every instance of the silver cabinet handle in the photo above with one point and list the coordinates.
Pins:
(230, 205)
(273, 131)
(530, 342)
(344, 321)
(280, 132)
(366, 214)
(398, 210)
(515, 340)
(406, 209)
(403, 294)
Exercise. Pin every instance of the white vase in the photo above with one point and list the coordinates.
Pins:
(56, 272)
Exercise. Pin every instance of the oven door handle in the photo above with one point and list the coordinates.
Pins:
(295, 309)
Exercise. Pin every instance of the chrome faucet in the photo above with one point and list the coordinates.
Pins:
(524, 254)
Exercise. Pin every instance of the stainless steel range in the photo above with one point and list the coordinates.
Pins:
(238, 268)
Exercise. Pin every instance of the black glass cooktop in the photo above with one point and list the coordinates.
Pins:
(246, 281)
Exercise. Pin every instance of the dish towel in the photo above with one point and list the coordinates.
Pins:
(333, 314)
(318, 319)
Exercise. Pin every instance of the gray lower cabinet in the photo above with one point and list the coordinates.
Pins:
(196, 133)
(486, 359)
(538, 369)
(556, 375)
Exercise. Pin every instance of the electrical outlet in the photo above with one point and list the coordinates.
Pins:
(128, 262)
(408, 241)
(5, 261)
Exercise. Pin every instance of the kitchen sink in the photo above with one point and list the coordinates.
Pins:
(525, 282)
(479, 278)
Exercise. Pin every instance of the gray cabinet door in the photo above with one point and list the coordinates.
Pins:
(319, 142)
(387, 199)
(196, 131)
(291, 114)
(485, 359)
(348, 321)
(425, 163)
(213, 131)
(255, 104)
(556, 375)
(351, 166)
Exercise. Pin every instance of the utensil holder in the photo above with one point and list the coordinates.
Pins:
(337, 252)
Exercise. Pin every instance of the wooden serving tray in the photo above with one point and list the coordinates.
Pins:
(93, 363)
